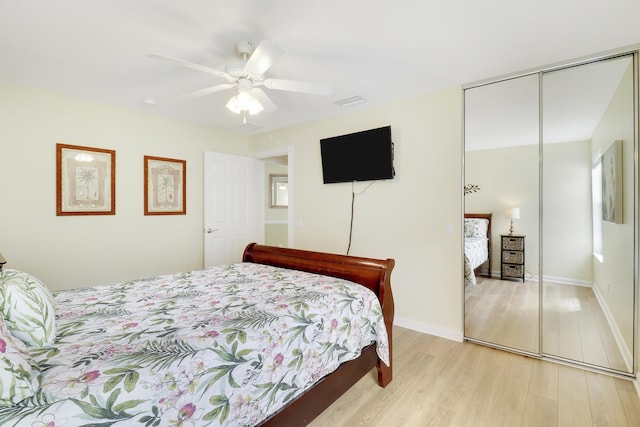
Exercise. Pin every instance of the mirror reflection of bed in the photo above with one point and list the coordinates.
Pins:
(477, 247)
(496, 311)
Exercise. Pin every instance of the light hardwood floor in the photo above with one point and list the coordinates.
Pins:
(438, 382)
(503, 312)
(575, 327)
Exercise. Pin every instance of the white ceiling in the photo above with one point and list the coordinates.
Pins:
(379, 50)
(574, 100)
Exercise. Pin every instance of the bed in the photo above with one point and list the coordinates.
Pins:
(477, 246)
(243, 344)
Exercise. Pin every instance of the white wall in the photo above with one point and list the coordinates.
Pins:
(403, 218)
(73, 251)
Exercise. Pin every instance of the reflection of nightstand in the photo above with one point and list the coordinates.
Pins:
(512, 257)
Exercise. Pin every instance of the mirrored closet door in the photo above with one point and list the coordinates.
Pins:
(588, 204)
(501, 170)
(551, 161)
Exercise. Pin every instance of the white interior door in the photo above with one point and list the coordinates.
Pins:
(231, 206)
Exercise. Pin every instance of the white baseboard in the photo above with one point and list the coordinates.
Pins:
(426, 328)
(555, 279)
(567, 281)
(627, 355)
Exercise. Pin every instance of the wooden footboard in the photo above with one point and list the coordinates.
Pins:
(372, 273)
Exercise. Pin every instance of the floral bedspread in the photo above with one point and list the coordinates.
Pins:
(475, 254)
(224, 346)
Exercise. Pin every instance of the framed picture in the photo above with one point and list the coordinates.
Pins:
(85, 180)
(279, 190)
(165, 186)
(612, 183)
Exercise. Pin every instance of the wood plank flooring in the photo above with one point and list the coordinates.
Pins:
(503, 312)
(439, 382)
(575, 327)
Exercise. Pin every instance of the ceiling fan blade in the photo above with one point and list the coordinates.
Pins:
(189, 65)
(263, 57)
(262, 97)
(298, 86)
(208, 90)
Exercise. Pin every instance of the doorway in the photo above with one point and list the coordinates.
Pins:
(236, 199)
(276, 208)
(277, 196)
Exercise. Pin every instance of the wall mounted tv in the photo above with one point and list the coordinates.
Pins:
(360, 156)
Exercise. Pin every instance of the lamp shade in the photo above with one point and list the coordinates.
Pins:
(515, 213)
(244, 101)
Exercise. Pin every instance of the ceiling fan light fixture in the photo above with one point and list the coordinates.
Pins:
(247, 79)
(244, 102)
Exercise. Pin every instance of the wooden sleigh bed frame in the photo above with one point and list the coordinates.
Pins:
(28, 409)
(372, 273)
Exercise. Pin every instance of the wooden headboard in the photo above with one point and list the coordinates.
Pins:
(372, 273)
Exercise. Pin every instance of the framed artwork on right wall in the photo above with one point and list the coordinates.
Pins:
(612, 183)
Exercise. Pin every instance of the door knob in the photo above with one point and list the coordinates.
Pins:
(210, 230)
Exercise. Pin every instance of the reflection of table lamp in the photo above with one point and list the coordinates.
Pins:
(514, 214)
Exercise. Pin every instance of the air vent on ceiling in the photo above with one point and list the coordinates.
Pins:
(350, 102)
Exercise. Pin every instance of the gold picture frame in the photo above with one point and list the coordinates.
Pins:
(85, 180)
(165, 186)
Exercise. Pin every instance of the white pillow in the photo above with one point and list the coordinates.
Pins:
(476, 227)
(19, 375)
(28, 309)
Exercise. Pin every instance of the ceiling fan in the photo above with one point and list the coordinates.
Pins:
(248, 77)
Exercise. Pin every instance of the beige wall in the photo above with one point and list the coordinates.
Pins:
(74, 251)
(404, 218)
(276, 226)
(614, 276)
(509, 177)
(567, 213)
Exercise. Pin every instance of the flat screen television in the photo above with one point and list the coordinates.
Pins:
(360, 156)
